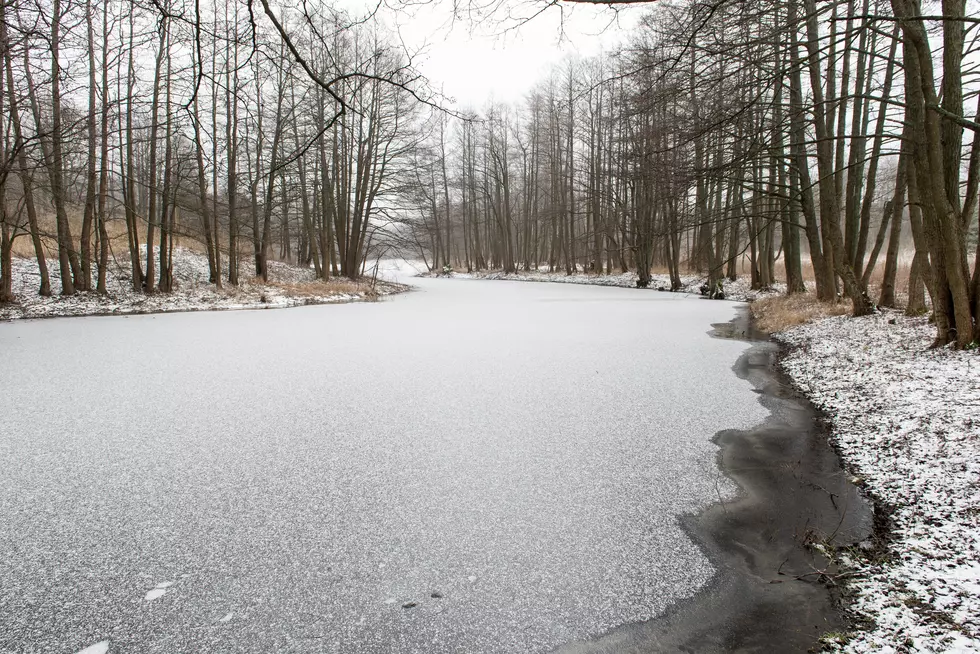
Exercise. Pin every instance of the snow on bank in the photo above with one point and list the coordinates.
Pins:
(289, 286)
(907, 422)
(740, 290)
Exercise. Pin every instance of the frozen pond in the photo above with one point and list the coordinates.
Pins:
(509, 457)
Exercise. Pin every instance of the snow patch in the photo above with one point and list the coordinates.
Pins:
(158, 591)
(100, 647)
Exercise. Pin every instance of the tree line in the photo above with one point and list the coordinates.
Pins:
(810, 134)
(797, 136)
(258, 135)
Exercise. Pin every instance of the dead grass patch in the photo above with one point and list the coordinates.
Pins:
(320, 288)
(774, 314)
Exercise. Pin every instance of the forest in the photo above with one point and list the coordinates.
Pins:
(813, 145)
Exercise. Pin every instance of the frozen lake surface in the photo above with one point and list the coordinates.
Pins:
(511, 458)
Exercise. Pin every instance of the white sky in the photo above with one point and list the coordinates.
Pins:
(474, 62)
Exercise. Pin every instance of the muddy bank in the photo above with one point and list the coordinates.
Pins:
(768, 594)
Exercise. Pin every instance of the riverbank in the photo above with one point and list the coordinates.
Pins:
(739, 290)
(288, 286)
(904, 418)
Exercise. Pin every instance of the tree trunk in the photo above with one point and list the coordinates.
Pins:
(23, 166)
(88, 216)
(67, 258)
(829, 208)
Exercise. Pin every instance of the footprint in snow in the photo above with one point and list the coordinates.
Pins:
(98, 648)
(157, 592)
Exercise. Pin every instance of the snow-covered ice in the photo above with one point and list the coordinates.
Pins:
(505, 461)
(906, 419)
(396, 269)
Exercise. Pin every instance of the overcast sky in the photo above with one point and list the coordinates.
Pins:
(473, 62)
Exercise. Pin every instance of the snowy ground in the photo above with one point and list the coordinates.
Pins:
(907, 422)
(289, 286)
(739, 290)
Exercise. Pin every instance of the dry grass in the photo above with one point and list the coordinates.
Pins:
(23, 246)
(775, 314)
(47, 227)
(321, 288)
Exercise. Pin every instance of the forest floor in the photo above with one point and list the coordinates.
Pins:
(288, 286)
(906, 421)
(740, 290)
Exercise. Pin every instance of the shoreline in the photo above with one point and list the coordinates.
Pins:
(769, 591)
(282, 302)
(902, 415)
(288, 286)
(737, 291)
